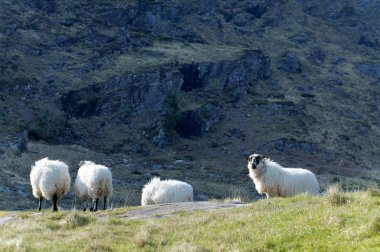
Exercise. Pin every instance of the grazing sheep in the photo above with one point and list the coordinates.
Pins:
(93, 181)
(50, 179)
(158, 191)
(276, 181)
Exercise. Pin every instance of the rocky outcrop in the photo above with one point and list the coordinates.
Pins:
(125, 100)
(372, 70)
(290, 63)
(232, 77)
(130, 94)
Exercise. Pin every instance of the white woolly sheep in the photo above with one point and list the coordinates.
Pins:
(93, 181)
(158, 191)
(276, 181)
(50, 179)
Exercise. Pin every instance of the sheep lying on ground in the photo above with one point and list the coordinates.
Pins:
(276, 181)
(93, 181)
(50, 179)
(158, 191)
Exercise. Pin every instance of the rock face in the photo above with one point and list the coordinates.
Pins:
(253, 66)
(125, 100)
(161, 140)
(372, 70)
(290, 63)
(133, 93)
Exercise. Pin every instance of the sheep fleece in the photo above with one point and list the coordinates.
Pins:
(159, 191)
(93, 181)
(278, 181)
(49, 177)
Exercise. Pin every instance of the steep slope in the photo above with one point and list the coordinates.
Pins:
(183, 89)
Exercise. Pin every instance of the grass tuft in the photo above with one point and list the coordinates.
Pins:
(55, 216)
(188, 247)
(336, 197)
(374, 228)
(15, 245)
(74, 220)
(141, 239)
(97, 246)
(373, 192)
(25, 215)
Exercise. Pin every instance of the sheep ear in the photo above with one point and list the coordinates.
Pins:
(262, 157)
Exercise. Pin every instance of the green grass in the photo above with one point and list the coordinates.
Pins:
(303, 223)
(164, 53)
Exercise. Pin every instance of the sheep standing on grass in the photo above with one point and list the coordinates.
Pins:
(158, 191)
(276, 181)
(50, 179)
(93, 181)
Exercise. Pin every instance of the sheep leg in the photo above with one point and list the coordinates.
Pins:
(84, 206)
(95, 204)
(39, 204)
(55, 198)
(105, 203)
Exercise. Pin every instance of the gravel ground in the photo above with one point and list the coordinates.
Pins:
(166, 210)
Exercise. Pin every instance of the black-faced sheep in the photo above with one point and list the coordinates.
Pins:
(276, 181)
(50, 179)
(93, 181)
(158, 191)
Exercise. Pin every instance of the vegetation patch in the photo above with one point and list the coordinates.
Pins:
(74, 220)
(336, 197)
(373, 192)
(302, 223)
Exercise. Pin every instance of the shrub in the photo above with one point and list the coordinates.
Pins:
(49, 126)
(171, 109)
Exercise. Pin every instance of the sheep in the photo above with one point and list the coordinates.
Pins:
(276, 181)
(93, 181)
(158, 191)
(50, 179)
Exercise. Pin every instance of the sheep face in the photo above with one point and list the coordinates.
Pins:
(255, 161)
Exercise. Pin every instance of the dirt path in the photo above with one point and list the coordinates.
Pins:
(166, 210)
(5, 220)
(159, 211)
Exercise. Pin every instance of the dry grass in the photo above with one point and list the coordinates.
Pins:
(373, 192)
(302, 223)
(336, 197)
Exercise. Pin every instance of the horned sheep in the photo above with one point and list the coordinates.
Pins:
(93, 181)
(158, 191)
(50, 179)
(276, 181)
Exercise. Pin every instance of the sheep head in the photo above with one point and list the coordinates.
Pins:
(254, 160)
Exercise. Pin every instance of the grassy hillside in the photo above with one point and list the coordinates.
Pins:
(341, 222)
(93, 79)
